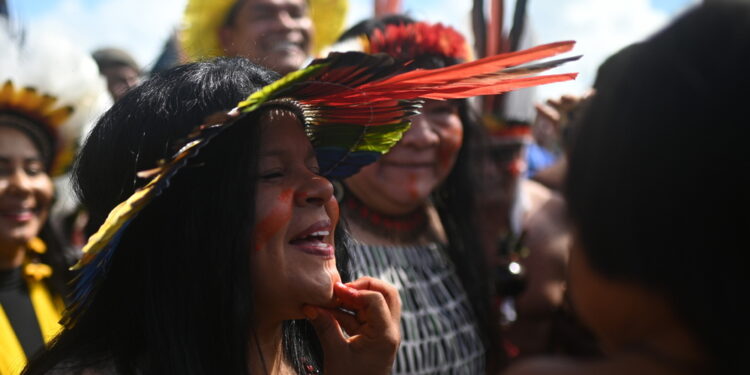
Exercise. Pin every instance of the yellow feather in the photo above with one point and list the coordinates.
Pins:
(56, 117)
(6, 93)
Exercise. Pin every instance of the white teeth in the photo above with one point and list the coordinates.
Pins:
(320, 233)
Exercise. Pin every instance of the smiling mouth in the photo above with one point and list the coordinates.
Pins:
(314, 244)
(20, 215)
(286, 46)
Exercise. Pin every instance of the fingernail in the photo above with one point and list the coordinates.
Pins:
(310, 312)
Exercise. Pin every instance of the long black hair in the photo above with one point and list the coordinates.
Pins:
(177, 298)
(455, 200)
(658, 187)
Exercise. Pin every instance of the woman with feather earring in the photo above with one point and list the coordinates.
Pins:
(43, 108)
(218, 250)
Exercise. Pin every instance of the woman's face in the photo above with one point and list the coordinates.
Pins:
(403, 179)
(25, 189)
(293, 260)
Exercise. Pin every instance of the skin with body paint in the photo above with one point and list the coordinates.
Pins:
(296, 217)
(275, 220)
(402, 180)
(25, 195)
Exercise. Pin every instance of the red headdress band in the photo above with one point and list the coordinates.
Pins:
(407, 41)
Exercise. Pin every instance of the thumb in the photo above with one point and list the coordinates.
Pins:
(327, 327)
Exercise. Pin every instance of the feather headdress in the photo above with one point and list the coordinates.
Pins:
(199, 36)
(405, 41)
(355, 106)
(51, 90)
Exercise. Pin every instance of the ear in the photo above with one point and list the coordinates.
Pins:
(226, 39)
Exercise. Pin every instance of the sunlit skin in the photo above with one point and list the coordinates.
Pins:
(120, 79)
(402, 180)
(294, 269)
(25, 195)
(273, 33)
(296, 216)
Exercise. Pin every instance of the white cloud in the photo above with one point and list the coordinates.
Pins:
(600, 28)
(138, 26)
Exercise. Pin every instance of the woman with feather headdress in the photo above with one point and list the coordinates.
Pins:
(411, 213)
(218, 250)
(49, 91)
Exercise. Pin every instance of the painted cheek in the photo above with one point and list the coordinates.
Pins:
(411, 186)
(450, 143)
(332, 208)
(280, 214)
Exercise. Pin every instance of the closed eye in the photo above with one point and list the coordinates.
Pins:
(271, 175)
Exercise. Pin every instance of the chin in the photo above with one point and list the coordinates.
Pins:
(286, 62)
(19, 236)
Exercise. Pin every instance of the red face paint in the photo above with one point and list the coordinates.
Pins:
(332, 207)
(450, 143)
(279, 215)
(411, 185)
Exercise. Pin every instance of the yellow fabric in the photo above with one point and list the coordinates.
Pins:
(12, 357)
(199, 35)
(48, 311)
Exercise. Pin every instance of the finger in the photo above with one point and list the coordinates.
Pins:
(372, 310)
(547, 112)
(348, 297)
(389, 292)
(327, 327)
(348, 322)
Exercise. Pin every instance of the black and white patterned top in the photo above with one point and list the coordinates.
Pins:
(438, 328)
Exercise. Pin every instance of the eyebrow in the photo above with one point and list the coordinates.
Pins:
(6, 159)
(282, 152)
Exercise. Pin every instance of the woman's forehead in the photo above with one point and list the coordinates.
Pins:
(282, 130)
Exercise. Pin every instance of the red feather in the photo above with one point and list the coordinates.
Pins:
(489, 76)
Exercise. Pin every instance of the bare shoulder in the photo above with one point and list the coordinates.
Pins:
(546, 219)
(544, 200)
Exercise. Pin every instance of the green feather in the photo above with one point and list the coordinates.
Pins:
(361, 138)
(278, 87)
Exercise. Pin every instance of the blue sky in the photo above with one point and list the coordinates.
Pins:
(601, 27)
(29, 9)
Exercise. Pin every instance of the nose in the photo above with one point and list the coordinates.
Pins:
(18, 182)
(420, 134)
(316, 191)
(285, 21)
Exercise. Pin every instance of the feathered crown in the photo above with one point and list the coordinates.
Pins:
(355, 106)
(409, 41)
(503, 130)
(199, 37)
(51, 91)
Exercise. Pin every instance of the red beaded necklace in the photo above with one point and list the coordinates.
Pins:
(398, 227)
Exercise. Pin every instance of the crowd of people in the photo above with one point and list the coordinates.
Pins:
(246, 208)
